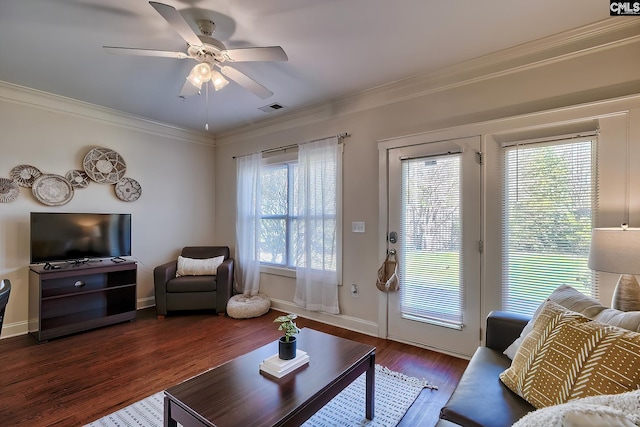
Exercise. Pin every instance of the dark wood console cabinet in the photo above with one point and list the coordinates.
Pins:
(78, 297)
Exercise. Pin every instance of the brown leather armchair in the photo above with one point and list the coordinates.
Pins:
(194, 292)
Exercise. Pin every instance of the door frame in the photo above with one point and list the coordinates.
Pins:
(384, 146)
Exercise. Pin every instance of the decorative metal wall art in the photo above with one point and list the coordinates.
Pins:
(128, 190)
(9, 190)
(24, 175)
(101, 165)
(104, 166)
(77, 178)
(52, 190)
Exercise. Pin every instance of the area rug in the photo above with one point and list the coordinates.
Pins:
(394, 394)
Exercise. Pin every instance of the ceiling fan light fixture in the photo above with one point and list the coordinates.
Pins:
(195, 80)
(218, 81)
(203, 71)
(199, 74)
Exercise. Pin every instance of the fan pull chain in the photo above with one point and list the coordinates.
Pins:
(206, 97)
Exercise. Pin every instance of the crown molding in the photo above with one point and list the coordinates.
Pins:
(599, 36)
(34, 98)
(559, 117)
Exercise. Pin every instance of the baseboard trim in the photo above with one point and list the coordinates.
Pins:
(435, 349)
(145, 303)
(339, 320)
(14, 329)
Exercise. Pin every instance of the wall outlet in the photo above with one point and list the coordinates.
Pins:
(355, 292)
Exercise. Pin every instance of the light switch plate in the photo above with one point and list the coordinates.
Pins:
(357, 226)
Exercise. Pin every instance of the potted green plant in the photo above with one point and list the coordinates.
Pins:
(287, 343)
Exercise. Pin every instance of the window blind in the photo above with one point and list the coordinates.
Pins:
(430, 241)
(549, 200)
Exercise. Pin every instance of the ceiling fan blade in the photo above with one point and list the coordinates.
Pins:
(132, 51)
(246, 82)
(270, 53)
(173, 17)
(188, 89)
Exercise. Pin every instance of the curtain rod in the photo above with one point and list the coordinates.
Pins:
(285, 147)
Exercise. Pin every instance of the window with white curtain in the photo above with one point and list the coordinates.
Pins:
(279, 221)
(549, 200)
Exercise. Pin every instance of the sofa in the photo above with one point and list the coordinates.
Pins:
(481, 398)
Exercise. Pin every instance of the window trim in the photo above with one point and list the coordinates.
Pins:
(276, 270)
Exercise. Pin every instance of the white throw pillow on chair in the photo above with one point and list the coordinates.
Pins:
(198, 267)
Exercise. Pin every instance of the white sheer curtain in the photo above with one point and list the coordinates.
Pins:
(248, 224)
(317, 212)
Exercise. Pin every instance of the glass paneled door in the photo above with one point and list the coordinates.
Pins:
(435, 209)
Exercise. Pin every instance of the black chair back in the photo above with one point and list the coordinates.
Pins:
(5, 289)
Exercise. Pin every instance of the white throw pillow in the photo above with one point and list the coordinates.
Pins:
(511, 351)
(570, 299)
(198, 267)
(619, 410)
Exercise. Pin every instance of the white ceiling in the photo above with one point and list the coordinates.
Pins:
(335, 47)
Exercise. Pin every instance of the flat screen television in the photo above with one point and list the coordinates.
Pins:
(78, 236)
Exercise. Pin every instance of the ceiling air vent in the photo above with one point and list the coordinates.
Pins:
(271, 108)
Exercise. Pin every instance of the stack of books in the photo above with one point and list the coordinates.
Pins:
(279, 368)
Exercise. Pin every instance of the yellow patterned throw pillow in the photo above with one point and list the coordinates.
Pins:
(568, 356)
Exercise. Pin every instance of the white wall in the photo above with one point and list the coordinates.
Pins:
(549, 75)
(174, 168)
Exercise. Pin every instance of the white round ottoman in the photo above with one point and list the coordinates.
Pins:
(245, 307)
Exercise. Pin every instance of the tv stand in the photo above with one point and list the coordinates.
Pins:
(79, 297)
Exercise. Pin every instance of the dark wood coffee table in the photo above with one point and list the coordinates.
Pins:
(238, 394)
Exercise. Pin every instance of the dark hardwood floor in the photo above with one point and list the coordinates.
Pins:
(74, 380)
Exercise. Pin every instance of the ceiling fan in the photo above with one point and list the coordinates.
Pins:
(211, 55)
